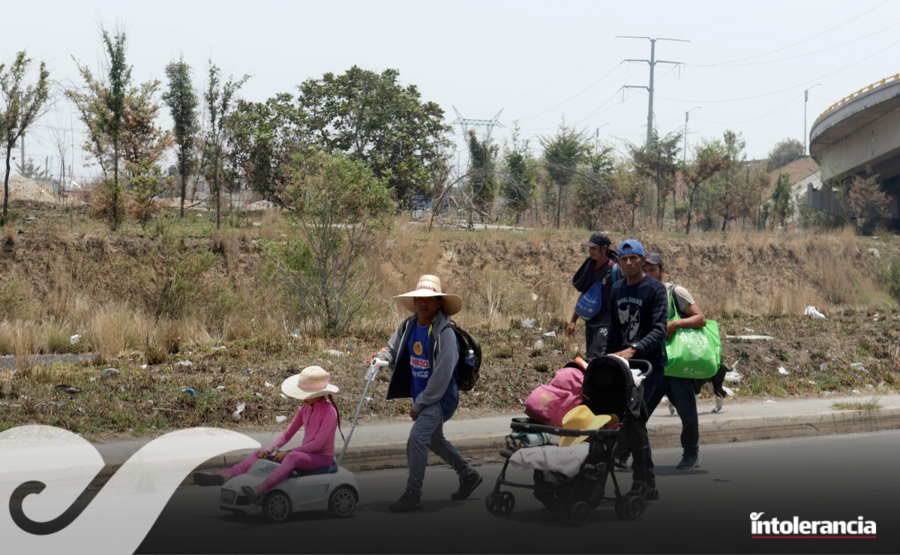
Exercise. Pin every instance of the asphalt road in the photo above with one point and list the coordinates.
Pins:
(700, 511)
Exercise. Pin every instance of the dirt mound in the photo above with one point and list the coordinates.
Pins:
(22, 188)
(798, 169)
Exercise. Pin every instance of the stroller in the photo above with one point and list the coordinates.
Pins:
(608, 389)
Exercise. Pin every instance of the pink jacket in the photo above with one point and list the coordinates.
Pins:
(321, 421)
(550, 403)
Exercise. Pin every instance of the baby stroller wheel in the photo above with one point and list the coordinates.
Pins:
(507, 503)
(633, 507)
(580, 513)
(492, 502)
(277, 506)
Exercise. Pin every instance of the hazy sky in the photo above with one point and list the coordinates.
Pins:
(746, 66)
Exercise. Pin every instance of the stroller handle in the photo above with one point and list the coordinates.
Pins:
(642, 365)
(557, 431)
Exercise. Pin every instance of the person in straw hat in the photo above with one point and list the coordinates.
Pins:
(321, 418)
(424, 353)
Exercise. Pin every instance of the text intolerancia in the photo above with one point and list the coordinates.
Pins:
(812, 528)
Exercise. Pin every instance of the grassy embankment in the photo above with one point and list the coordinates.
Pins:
(179, 292)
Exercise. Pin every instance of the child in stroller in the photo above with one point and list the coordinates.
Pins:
(610, 388)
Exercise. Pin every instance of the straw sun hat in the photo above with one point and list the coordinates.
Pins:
(430, 286)
(581, 418)
(311, 382)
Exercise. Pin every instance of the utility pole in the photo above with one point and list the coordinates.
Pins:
(652, 63)
(805, 100)
(686, 114)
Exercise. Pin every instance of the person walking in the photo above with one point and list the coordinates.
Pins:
(596, 269)
(638, 315)
(683, 314)
(424, 353)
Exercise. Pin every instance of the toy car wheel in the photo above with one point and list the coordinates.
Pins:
(342, 502)
(277, 506)
(634, 507)
(492, 502)
(580, 513)
(507, 503)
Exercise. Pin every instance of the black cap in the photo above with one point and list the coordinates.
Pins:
(597, 240)
(655, 259)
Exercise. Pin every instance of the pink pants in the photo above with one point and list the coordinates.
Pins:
(293, 460)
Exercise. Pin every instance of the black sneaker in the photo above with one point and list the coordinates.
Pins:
(466, 486)
(689, 461)
(208, 479)
(644, 491)
(408, 502)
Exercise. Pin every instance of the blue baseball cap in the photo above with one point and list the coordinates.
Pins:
(630, 246)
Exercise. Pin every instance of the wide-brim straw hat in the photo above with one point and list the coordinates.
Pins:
(309, 383)
(581, 418)
(430, 286)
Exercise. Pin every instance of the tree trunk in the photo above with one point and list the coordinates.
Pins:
(183, 181)
(116, 186)
(724, 223)
(6, 186)
(216, 186)
(687, 229)
(558, 202)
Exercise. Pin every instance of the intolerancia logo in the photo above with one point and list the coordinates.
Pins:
(796, 528)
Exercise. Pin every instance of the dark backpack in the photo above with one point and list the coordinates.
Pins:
(467, 368)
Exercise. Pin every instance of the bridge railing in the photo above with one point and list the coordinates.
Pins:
(857, 93)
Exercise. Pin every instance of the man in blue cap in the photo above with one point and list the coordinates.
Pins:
(639, 314)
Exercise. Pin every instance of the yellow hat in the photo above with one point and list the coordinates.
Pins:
(581, 418)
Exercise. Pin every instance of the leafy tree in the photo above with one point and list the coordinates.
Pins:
(182, 102)
(341, 211)
(784, 153)
(22, 106)
(629, 189)
(219, 97)
(261, 136)
(32, 171)
(148, 183)
(563, 153)
(372, 118)
(864, 201)
(657, 161)
(710, 157)
(590, 189)
(482, 182)
(518, 185)
(782, 200)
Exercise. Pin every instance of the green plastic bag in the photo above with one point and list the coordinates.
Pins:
(693, 354)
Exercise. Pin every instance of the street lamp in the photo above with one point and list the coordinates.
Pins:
(686, 115)
(805, 101)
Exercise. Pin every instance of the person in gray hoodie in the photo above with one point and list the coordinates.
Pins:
(424, 353)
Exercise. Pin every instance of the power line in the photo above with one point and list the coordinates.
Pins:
(605, 75)
(796, 43)
(868, 35)
(786, 88)
(767, 114)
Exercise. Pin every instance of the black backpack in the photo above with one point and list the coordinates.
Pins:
(467, 371)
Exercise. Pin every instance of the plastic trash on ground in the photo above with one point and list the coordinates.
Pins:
(783, 370)
(334, 353)
(858, 366)
(296, 334)
(109, 373)
(550, 334)
(538, 345)
(74, 339)
(811, 311)
(280, 419)
(189, 391)
(184, 363)
(529, 323)
(237, 414)
(64, 388)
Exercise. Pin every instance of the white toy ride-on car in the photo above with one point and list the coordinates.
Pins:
(330, 488)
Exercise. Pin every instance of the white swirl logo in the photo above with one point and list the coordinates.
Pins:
(43, 471)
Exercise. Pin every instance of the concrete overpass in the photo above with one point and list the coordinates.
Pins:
(860, 131)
